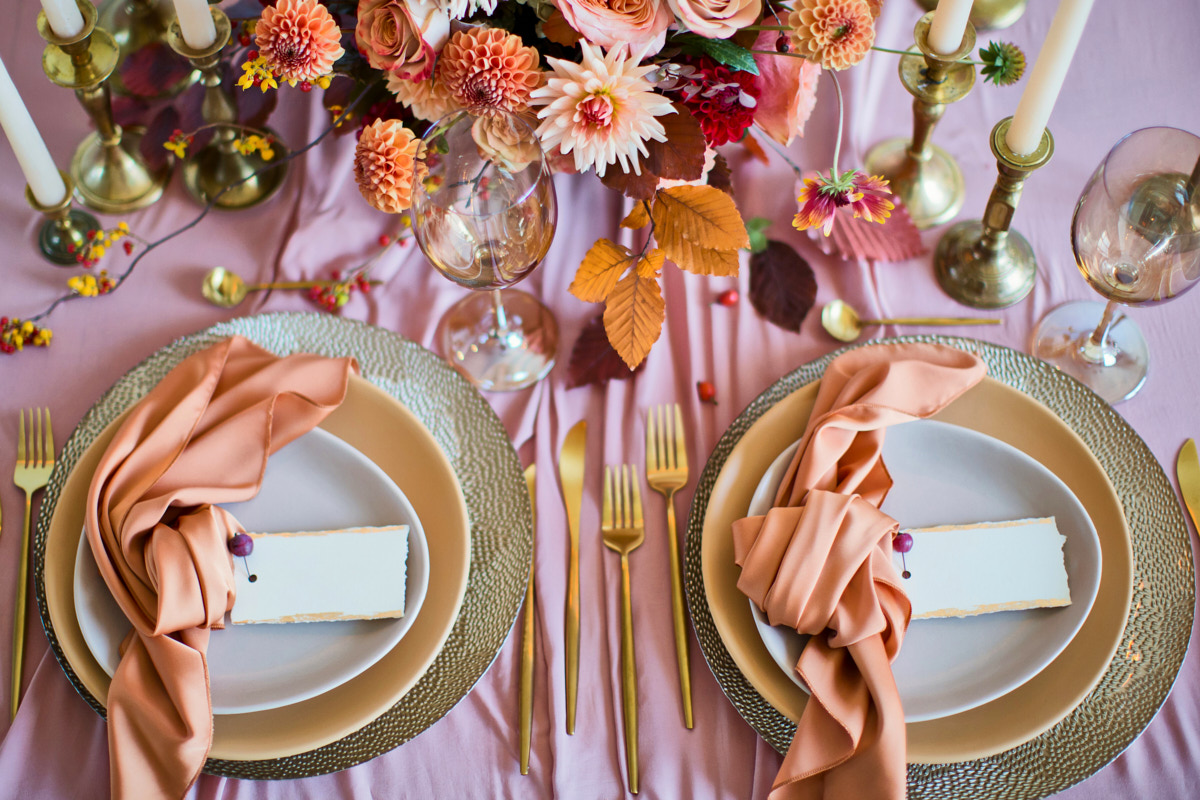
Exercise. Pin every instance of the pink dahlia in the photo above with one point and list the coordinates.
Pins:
(299, 39)
(822, 196)
(602, 109)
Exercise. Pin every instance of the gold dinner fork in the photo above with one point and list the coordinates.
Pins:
(621, 526)
(667, 473)
(35, 462)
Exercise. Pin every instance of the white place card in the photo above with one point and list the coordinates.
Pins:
(319, 576)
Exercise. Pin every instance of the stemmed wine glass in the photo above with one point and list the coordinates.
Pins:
(1136, 237)
(484, 212)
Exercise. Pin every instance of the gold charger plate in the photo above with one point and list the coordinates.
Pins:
(432, 434)
(1074, 716)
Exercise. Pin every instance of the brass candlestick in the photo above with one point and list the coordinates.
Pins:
(988, 15)
(108, 170)
(139, 28)
(218, 164)
(983, 263)
(64, 234)
(924, 176)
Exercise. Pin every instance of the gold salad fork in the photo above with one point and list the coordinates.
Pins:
(667, 473)
(621, 526)
(35, 462)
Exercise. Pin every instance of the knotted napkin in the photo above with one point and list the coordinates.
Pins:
(201, 436)
(820, 561)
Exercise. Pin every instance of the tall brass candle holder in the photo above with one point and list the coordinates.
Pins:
(108, 170)
(983, 263)
(218, 164)
(924, 176)
(988, 15)
(139, 28)
(64, 233)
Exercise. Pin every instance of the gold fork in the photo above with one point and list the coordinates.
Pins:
(667, 473)
(32, 473)
(621, 525)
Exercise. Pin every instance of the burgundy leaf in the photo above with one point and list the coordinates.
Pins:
(681, 156)
(254, 106)
(593, 359)
(165, 122)
(720, 176)
(639, 187)
(146, 70)
(783, 287)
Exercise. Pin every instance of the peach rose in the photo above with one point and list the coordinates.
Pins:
(401, 36)
(789, 91)
(716, 19)
(637, 24)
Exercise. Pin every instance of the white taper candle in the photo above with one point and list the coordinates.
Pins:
(64, 17)
(40, 172)
(196, 23)
(948, 25)
(1046, 77)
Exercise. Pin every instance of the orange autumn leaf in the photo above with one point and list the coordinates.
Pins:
(602, 267)
(559, 31)
(706, 261)
(651, 264)
(692, 221)
(633, 317)
(638, 217)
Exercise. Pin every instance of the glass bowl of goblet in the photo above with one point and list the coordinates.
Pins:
(1136, 239)
(484, 214)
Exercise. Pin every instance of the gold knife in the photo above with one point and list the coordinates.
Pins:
(570, 472)
(526, 691)
(1187, 468)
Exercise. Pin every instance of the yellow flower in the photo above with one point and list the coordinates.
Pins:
(43, 337)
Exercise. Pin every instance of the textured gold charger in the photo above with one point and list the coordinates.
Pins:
(435, 436)
(1079, 712)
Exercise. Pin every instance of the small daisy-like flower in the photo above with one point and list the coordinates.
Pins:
(428, 99)
(835, 33)
(602, 109)
(489, 68)
(299, 39)
(384, 162)
(254, 143)
(822, 196)
(1003, 63)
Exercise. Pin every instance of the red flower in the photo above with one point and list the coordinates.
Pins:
(721, 99)
(822, 196)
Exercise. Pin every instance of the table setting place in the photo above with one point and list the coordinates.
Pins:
(804, 462)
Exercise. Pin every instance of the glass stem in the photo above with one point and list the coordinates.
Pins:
(501, 316)
(1097, 349)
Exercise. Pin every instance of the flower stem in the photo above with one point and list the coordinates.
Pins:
(837, 147)
(777, 53)
(766, 28)
(916, 53)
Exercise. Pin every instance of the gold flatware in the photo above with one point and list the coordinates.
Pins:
(1187, 468)
(227, 289)
(525, 702)
(570, 472)
(31, 474)
(667, 473)
(621, 525)
(842, 322)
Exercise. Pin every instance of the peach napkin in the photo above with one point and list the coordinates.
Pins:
(820, 561)
(201, 436)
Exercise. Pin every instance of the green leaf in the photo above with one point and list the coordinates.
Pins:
(722, 51)
(756, 227)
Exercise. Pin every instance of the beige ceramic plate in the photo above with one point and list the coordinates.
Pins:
(1004, 414)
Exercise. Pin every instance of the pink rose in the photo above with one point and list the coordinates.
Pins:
(789, 91)
(638, 24)
(716, 19)
(401, 36)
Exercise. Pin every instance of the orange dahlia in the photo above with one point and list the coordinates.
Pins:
(384, 163)
(428, 99)
(489, 68)
(299, 40)
(835, 33)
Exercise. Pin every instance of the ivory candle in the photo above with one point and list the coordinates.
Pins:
(40, 173)
(1047, 76)
(64, 17)
(948, 25)
(196, 23)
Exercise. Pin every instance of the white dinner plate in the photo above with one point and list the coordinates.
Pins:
(948, 475)
(318, 482)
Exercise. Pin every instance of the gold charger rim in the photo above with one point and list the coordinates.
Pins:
(1151, 646)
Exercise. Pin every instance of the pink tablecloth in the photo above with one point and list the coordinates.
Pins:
(1136, 67)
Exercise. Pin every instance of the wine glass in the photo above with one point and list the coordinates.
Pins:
(484, 212)
(1136, 237)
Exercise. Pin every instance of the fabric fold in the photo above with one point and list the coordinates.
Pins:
(820, 561)
(202, 436)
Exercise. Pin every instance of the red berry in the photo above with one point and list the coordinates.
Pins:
(241, 545)
(70, 248)
(253, 54)
(128, 248)
(384, 240)
(729, 297)
(305, 86)
(707, 392)
(244, 39)
(91, 235)
(257, 80)
(366, 287)
(902, 542)
(336, 274)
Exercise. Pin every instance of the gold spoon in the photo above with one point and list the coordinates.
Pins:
(842, 321)
(227, 289)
